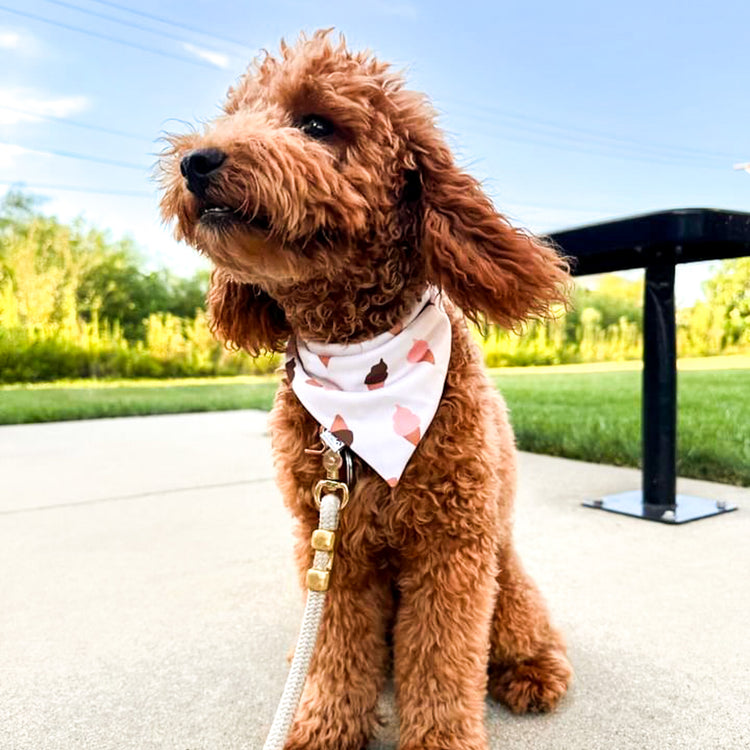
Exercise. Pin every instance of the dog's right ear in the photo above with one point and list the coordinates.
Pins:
(245, 316)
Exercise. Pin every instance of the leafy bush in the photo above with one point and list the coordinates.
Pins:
(178, 348)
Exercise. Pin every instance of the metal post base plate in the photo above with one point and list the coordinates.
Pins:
(686, 509)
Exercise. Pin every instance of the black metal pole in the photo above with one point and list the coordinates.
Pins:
(659, 404)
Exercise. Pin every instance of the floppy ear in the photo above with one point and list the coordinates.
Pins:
(472, 252)
(245, 316)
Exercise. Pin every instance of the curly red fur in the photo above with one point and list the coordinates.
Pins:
(245, 315)
(334, 240)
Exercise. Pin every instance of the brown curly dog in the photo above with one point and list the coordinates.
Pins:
(329, 203)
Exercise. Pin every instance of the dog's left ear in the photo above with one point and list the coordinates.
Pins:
(485, 265)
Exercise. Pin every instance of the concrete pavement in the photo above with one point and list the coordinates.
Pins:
(148, 598)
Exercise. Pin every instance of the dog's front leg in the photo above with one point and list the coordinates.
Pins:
(338, 707)
(441, 640)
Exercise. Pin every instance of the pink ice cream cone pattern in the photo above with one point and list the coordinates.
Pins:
(421, 352)
(377, 376)
(325, 359)
(341, 430)
(406, 424)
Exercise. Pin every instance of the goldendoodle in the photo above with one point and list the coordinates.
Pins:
(343, 233)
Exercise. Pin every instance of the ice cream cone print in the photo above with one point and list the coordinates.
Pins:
(421, 352)
(312, 381)
(341, 430)
(406, 424)
(325, 359)
(414, 436)
(397, 329)
(377, 376)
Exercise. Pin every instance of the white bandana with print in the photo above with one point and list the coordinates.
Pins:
(378, 396)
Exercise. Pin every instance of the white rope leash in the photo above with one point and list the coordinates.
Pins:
(317, 581)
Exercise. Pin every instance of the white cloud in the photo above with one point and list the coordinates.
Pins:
(22, 105)
(9, 39)
(9, 154)
(18, 40)
(219, 59)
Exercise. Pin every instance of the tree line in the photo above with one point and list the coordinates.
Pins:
(75, 303)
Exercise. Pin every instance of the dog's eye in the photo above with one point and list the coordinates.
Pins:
(316, 126)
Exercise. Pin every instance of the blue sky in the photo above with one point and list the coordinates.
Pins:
(570, 112)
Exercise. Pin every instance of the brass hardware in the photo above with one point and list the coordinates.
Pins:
(328, 485)
(332, 462)
(323, 540)
(318, 580)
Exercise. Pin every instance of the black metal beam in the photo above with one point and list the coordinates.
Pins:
(659, 393)
(694, 234)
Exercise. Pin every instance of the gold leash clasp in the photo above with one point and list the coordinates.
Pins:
(330, 485)
(323, 540)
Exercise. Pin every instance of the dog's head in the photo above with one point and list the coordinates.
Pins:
(324, 172)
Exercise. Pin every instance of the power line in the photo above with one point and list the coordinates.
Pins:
(76, 189)
(82, 157)
(120, 21)
(488, 114)
(547, 124)
(170, 22)
(66, 121)
(107, 37)
(591, 144)
(597, 150)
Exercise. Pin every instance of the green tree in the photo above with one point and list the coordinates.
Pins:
(52, 272)
(729, 288)
(614, 297)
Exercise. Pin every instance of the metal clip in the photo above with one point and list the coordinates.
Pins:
(329, 485)
(332, 463)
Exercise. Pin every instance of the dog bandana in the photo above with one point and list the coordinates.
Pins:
(378, 396)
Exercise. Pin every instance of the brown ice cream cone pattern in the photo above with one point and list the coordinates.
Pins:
(421, 352)
(325, 359)
(406, 424)
(377, 376)
(341, 430)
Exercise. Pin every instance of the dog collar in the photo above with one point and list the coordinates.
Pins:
(378, 396)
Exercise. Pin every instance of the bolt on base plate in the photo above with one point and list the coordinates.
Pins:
(686, 508)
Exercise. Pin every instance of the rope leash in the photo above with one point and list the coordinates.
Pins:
(318, 578)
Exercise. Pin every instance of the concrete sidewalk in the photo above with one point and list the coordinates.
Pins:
(148, 598)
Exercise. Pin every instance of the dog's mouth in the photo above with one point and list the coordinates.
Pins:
(218, 216)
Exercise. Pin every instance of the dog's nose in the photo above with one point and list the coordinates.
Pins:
(198, 166)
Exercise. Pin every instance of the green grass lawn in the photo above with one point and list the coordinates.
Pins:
(79, 400)
(596, 417)
(593, 416)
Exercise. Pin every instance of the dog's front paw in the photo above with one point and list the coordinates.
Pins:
(531, 686)
(315, 735)
(450, 743)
